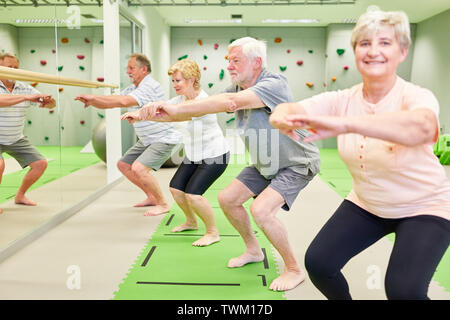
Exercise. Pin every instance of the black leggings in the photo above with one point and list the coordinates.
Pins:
(197, 177)
(420, 243)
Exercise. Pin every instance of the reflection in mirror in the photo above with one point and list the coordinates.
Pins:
(29, 134)
(61, 41)
(79, 46)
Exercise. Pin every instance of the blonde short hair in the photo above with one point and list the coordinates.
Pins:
(252, 48)
(370, 22)
(189, 69)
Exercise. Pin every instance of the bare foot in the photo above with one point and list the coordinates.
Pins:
(25, 201)
(157, 210)
(287, 281)
(1, 211)
(244, 259)
(206, 240)
(184, 227)
(147, 202)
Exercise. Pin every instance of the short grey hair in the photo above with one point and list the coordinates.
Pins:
(370, 21)
(142, 60)
(252, 48)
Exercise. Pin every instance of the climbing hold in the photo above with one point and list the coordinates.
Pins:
(204, 68)
(100, 79)
(326, 56)
(340, 51)
(82, 122)
(222, 73)
(309, 84)
(34, 84)
(46, 138)
(60, 68)
(62, 127)
(216, 46)
(200, 42)
(288, 50)
(226, 57)
(101, 41)
(60, 89)
(100, 115)
(231, 119)
(32, 51)
(81, 68)
(29, 121)
(310, 51)
(345, 67)
(299, 62)
(183, 57)
(53, 51)
(65, 40)
(277, 40)
(80, 56)
(205, 57)
(210, 84)
(324, 84)
(232, 40)
(333, 79)
(87, 40)
(43, 62)
(283, 68)
(51, 111)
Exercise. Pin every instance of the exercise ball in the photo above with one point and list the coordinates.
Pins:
(99, 140)
(176, 158)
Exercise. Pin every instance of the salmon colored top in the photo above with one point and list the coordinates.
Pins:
(389, 180)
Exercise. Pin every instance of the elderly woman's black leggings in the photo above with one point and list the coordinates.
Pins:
(420, 243)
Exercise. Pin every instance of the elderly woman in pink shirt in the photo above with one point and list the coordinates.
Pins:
(385, 128)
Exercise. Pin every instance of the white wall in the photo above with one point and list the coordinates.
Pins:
(431, 65)
(156, 42)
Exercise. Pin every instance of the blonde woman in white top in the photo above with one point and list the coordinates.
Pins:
(206, 152)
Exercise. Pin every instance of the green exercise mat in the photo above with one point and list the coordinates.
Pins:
(64, 161)
(170, 268)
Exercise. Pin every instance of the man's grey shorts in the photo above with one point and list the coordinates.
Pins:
(287, 183)
(23, 151)
(152, 156)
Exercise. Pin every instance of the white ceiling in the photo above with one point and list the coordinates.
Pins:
(417, 10)
(175, 15)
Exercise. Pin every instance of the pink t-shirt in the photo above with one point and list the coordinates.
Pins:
(389, 180)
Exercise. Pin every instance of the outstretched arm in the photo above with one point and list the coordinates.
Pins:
(107, 102)
(7, 100)
(224, 102)
(409, 127)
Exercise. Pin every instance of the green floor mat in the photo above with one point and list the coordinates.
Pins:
(335, 174)
(170, 268)
(64, 161)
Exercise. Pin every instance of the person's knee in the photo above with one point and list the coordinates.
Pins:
(316, 263)
(227, 199)
(192, 199)
(123, 166)
(261, 214)
(402, 287)
(138, 168)
(178, 195)
(39, 165)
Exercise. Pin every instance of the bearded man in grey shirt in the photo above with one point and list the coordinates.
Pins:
(282, 167)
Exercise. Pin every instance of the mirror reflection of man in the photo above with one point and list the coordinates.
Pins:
(157, 141)
(15, 98)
